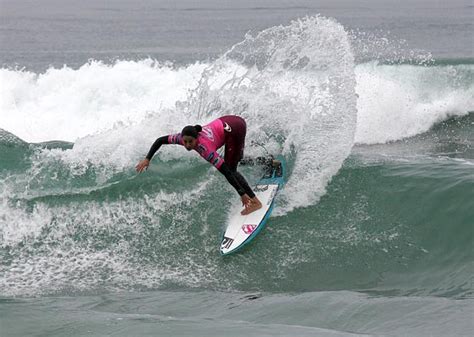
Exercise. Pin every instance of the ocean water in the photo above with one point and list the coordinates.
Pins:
(371, 102)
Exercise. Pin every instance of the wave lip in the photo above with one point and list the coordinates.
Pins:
(400, 101)
(67, 104)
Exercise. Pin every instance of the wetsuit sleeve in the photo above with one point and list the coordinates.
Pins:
(156, 146)
(234, 181)
(169, 139)
(175, 139)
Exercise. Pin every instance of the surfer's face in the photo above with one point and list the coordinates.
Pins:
(189, 142)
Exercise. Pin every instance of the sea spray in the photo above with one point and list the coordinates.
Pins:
(295, 86)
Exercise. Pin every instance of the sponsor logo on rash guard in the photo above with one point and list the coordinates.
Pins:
(227, 127)
(208, 133)
(201, 149)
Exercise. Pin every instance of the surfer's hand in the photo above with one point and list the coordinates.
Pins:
(142, 165)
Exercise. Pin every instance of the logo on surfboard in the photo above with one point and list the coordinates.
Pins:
(248, 229)
(226, 242)
(260, 188)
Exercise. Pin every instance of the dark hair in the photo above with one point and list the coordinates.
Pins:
(192, 131)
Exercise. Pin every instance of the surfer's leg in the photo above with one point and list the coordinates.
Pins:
(235, 132)
(243, 182)
(234, 148)
(254, 203)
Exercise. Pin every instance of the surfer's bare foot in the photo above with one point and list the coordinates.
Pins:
(253, 205)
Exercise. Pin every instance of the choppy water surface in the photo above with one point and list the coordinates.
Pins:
(372, 235)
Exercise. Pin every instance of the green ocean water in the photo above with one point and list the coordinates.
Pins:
(394, 230)
(372, 234)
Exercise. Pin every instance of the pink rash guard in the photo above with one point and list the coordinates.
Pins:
(209, 140)
(227, 130)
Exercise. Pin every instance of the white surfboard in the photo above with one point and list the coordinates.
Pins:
(242, 229)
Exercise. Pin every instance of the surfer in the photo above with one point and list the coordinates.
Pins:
(227, 130)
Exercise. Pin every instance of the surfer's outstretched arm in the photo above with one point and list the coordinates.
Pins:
(143, 164)
(156, 146)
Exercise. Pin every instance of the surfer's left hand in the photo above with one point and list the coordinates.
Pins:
(142, 165)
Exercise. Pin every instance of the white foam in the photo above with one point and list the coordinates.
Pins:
(395, 101)
(66, 104)
(401, 101)
(64, 254)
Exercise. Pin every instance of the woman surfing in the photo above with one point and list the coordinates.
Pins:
(205, 140)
